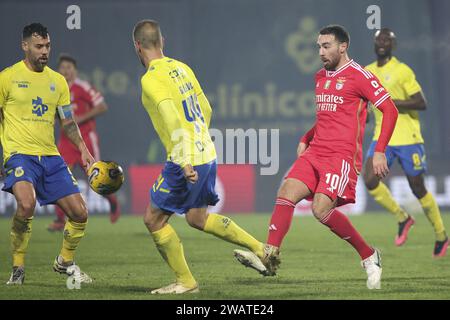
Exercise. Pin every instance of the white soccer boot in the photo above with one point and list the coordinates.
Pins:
(175, 288)
(267, 265)
(372, 265)
(61, 267)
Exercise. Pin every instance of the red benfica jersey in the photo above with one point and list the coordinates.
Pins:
(84, 97)
(341, 108)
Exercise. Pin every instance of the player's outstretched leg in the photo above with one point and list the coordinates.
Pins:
(323, 209)
(291, 192)
(115, 211)
(226, 229)
(76, 210)
(21, 229)
(171, 249)
(384, 198)
(280, 222)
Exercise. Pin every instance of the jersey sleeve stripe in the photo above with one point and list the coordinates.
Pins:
(381, 100)
(366, 74)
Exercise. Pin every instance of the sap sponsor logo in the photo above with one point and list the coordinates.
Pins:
(39, 108)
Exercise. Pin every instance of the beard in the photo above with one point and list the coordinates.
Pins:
(40, 63)
(383, 54)
(331, 65)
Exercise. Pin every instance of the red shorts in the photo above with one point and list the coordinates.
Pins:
(70, 153)
(333, 176)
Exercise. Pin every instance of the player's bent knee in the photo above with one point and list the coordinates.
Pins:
(26, 207)
(292, 190)
(196, 222)
(154, 219)
(149, 220)
(319, 210)
(80, 214)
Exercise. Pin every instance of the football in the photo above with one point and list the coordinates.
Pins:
(105, 177)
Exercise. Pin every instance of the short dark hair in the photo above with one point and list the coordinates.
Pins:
(67, 58)
(33, 28)
(338, 31)
(148, 33)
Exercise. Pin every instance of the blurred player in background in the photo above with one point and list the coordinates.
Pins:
(31, 96)
(330, 155)
(181, 113)
(87, 104)
(406, 143)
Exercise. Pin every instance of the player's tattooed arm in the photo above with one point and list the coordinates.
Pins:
(72, 132)
(69, 126)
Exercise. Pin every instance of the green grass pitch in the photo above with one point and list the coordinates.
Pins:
(315, 263)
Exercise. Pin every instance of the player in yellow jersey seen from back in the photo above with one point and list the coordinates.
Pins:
(181, 113)
(32, 96)
(406, 144)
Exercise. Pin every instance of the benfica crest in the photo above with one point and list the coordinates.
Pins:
(339, 84)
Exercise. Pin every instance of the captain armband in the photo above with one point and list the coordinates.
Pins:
(65, 112)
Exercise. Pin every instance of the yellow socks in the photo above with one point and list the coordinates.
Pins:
(433, 214)
(73, 233)
(226, 229)
(383, 196)
(20, 235)
(171, 249)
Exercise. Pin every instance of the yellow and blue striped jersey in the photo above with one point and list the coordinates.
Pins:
(400, 81)
(28, 101)
(179, 111)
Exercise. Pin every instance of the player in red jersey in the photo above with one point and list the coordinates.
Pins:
(87, 104)
(330, 155)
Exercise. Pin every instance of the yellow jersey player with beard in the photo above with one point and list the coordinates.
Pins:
(32, 96)
(181, 113)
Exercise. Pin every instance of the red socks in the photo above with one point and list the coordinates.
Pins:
(280, 221)
(335, 220)
(343, 228)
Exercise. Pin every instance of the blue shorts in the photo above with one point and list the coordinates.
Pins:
(50, 176)
(171, 192)
(411, 157)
